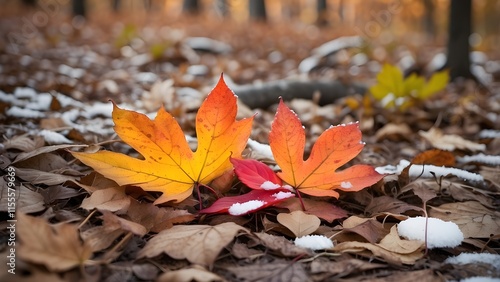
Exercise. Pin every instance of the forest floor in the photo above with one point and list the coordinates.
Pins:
(73, 224)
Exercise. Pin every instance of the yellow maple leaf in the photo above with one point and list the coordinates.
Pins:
(169, 165)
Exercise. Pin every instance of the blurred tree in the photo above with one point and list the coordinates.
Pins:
(257, 10)
(191, 6)
(429, 22)
(29, 3)
(321, 11)
(459, 30)
(221, 7)
(116, 5)
(78, 8)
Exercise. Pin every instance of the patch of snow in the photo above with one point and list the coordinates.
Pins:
(314, 242)
(24, 92)
(429, 171)
(480, 158)
(283, 195)
(467, 258)
(489, 133)
(480, 279)
(41, 102)
(263, 149)
(53, 137)
(346, 184)
(440, 234)
(268, 185)
(8, 98)
(246, 207)
(24, 113)
(98, 109)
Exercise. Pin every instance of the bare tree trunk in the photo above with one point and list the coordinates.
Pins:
(459, 30)
(321, 11)
(429, 21)
(191, 6)
(257, 10)
(79, 8)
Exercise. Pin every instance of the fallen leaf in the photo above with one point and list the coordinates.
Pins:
(449, 142)
(27, 201)
(276, 271)
(35, 176)
(200, 244)
(344, 267)
(299, 223)
(195, 273)
(474, 220)
(113, 222)
(388, 205)
(169, 165)
(58, 247)
(435, 157)
(281, 245)
(321, 209)
(335, 147)
(368, 228)
(110, 199)
(256, 175)
(101, 237)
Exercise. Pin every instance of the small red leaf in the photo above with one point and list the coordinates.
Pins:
(255, 174)
(250, 202)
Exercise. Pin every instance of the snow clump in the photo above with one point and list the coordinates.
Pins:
(440, 234)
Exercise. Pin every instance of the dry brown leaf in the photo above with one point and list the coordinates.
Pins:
(110, 199)
(449, 142)
(395, 132)
(156, 218)
(113, 222)
(388, 205)
(24, 143)
(41, 177)
(281, 244)
(58, 247)
(344, 267)
(392, 249)
(242, 251)
(299, 223)
(276, 271)
(199, 244)
(100, 237)
(369, 228)
(95, 181)
(42, 150)
(27, 201)
(321, 209)
(474, 220)
(435, 157)
(195, 273)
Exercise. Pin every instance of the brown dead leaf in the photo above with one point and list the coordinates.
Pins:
(43, 150)
(474, 220)
(95, 181)
(242, 251)
(44, 162)
(321, 209)
(388, 205)
(276, 271)
(299, 223)
(395, 132)
(195, 273)
(392, 249)
(449, 142)
(58, 247)
(422, 190)
(101, 237)
(344, 267)
(27, 201)
(110, 199)
(281, 245)
(24, 143)
(435, 157)
(113, 222)
(199, 244)
(41, 177)
(156, 218)
(368, 228)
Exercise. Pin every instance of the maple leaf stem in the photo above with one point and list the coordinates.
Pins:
(199, 192)
(300, 200)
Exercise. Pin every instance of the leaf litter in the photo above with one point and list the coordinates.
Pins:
(106, 230)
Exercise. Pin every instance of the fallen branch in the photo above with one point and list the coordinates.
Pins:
(267, 94)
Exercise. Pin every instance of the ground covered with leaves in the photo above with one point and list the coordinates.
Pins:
(75, 224)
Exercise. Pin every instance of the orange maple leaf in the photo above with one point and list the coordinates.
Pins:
(169, 165)
(335, 147)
